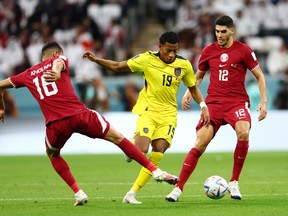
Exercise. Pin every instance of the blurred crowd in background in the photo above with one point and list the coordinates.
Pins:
(110, 28)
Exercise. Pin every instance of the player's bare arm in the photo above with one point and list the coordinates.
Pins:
(4, 84)
(187, 96)
(108, 64)
(198, 98)
(186, 100)
(199, 77)
(55, 73)
(262, 107)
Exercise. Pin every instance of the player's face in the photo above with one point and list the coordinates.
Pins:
(224, 36)
(168, 52)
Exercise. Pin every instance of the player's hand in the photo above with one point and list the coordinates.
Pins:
(186, 101)
(2, 115)
(51, 76)
(263, 111)
(205, 116)
(89, 55)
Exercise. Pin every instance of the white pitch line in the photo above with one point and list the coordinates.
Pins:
(108, 198)
(129, 183)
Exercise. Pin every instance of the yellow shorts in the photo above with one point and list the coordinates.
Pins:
(155, 126)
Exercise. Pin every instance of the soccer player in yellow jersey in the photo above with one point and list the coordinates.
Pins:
(156, 105)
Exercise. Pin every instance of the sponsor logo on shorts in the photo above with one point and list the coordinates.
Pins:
(145, 130)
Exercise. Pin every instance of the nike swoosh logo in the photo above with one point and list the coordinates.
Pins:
(222, 65)
(185, 164)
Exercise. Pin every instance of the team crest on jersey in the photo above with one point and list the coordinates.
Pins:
(145, 130)
(177, 71)
(224, 57)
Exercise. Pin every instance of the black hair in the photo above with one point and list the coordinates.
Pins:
(169, 37)
(51, 46)
(225, 21)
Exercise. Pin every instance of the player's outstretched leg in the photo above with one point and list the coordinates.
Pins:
(81, 198)
(134, 152)
(127, 159)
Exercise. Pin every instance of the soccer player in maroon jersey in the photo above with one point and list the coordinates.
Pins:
(227, 101)
(49, 83)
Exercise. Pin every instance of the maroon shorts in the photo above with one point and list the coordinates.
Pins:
(227, 113)
(89, 123)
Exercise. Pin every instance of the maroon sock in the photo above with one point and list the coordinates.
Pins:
(240, 154)
(63, 170)
(188, 166)
(134, 152)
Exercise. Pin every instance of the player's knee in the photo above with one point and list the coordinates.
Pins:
(115, 139)
(114, 136)
(50, 153)
(243, 135)
(201, 145)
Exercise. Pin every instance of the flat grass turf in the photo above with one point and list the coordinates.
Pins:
(30, 186)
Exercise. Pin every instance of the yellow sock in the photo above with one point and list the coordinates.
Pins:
(145, 174)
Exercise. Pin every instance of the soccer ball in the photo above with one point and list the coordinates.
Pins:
(215, 187)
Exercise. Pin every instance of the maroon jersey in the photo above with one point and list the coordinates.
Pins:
(57, 100)
(227, 71)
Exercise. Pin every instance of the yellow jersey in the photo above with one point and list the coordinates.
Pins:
(162, 82)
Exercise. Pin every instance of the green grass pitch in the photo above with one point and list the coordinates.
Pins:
(30, 186)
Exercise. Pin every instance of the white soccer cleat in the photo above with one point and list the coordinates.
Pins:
(127, 159)
(81, 198)
(161, 176)
(130, 198)
(234, 190)
(174, 195)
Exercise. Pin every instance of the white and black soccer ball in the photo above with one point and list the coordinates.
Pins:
(215, 187)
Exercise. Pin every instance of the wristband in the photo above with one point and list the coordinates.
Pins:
(202, 104)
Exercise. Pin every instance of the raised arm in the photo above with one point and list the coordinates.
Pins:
(55, 73)
(108, 64)
(4, 84)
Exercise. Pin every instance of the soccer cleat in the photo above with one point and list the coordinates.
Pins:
(160, 176)
(81, 198)
(234, 190)
(174, 195)
(127, 159)
(130, 198)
